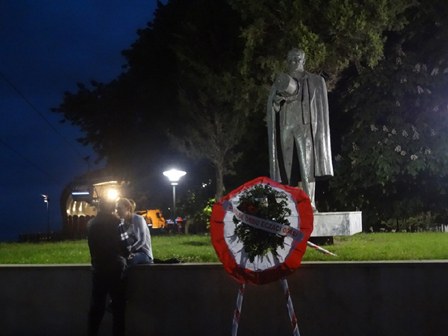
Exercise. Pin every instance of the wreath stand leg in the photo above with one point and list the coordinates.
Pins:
(237, 314)
(289, 305)
(292, 315)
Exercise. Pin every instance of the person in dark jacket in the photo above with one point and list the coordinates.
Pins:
(108, 269)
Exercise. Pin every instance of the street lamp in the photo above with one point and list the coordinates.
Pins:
(112, 194)
(47, 200)
(174, 175)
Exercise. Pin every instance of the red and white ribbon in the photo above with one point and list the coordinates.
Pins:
(264, 224)
(292, 315)
(320, 249)
(237, 314)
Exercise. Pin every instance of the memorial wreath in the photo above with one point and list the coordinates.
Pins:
(261, 201)
(260, 230)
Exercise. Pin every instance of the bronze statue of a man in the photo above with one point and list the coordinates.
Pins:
(297, 117)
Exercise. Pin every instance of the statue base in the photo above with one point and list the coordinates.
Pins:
(337, 223)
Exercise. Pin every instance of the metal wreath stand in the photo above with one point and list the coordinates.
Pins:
(222, 227)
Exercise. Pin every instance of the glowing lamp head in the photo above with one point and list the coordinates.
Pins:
(174, 175)
(112, 194)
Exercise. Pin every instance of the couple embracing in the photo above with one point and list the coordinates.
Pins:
(114, 243)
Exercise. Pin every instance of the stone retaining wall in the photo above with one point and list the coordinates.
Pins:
(368, 298)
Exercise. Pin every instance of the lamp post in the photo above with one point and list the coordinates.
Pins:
(47, 200)
(174, 175)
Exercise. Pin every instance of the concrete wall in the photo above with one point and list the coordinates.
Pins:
(370, 298)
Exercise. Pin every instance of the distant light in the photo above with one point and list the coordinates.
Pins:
(106, 183)
(174, 175)
(80, 193)
(112, 194)
(204, 185)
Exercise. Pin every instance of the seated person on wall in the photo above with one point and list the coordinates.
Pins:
(134, 233)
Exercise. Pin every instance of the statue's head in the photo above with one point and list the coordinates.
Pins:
(296, 59)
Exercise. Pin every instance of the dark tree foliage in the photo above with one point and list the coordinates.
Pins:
(199, 74)
(333, 34)
(126, 120)
(394, 153)
(191, 48)
(210, 125)
(336, 35)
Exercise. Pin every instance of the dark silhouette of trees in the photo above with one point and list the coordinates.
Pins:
(394, 153)
(198, 77)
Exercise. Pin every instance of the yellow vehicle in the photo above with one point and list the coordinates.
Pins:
(153, 218)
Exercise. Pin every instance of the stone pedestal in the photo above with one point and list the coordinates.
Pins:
(337, 223)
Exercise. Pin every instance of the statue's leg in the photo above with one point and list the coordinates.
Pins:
(287, 138)
(311, 193)
(305, 152)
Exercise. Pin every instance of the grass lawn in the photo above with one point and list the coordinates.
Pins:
(360, 247)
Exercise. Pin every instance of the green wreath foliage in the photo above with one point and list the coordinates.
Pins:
(264, 202)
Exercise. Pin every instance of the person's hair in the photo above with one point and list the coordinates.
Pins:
(296, 51)
(106, 205)
(130, 204)
(133, 205)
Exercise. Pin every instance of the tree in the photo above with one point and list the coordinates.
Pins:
(210, 124)
(126, 120)
(392, 162)
(333, 34)
(202, 70)
(211, 130)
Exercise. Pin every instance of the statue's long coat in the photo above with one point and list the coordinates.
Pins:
(320, 129)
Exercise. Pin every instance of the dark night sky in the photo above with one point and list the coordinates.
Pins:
(46, 48)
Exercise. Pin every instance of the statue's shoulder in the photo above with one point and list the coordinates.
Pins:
(314, 77)
(317, 81)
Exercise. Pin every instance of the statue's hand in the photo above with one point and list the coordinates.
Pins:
(277, 101)
(286, 85)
